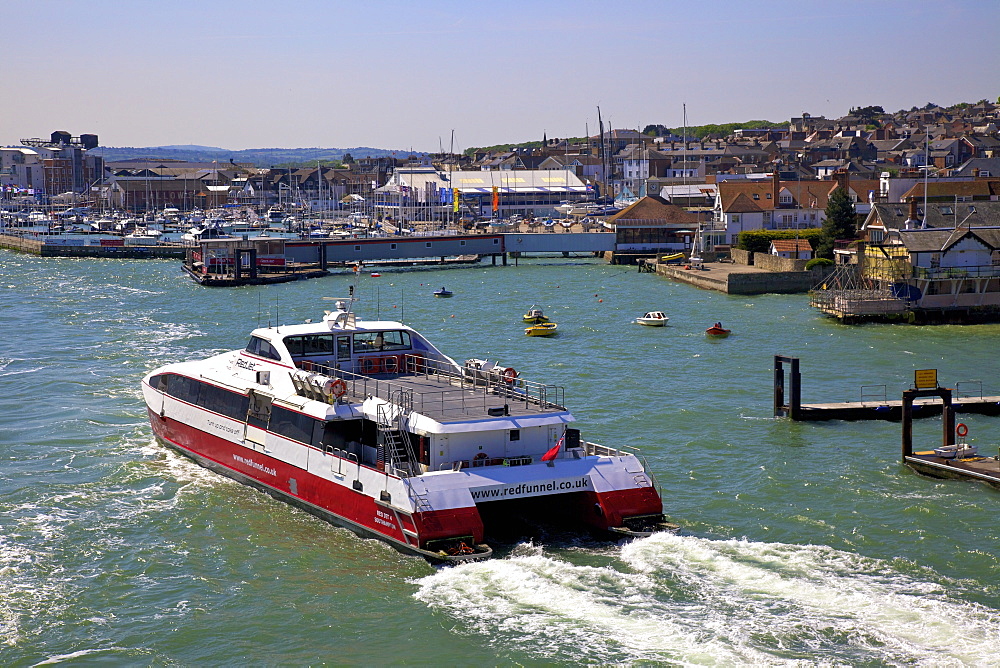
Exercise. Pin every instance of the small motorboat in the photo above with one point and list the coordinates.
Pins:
(717, 331)
(443, 293)
(534, 316)
(653, 319)
(541, 329)
(375, 274)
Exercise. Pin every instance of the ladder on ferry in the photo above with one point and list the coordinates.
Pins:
(392, 434)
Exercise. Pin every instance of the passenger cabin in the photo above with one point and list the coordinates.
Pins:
(411, 407)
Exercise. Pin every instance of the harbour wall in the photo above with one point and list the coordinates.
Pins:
(730, 280)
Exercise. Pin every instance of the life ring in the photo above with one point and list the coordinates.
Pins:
(371, 365)
(335, 388)
(390, 364)
(509, 374)
(961, 430)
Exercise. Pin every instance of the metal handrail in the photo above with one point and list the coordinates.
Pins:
(959, 392)
(493, 387)
(873, 393)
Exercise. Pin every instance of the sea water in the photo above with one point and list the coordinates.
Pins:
(801, 542)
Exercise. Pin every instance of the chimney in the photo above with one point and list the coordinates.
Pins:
(775, 187)
(911, 218)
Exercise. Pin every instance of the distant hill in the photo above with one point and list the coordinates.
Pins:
(260, 157)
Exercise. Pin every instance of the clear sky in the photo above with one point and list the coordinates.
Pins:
(405, 74)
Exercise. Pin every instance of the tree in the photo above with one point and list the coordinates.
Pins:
(868, 115)
(839, 223)
(347, 159)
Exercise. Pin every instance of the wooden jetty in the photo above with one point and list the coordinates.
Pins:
(876, 408)
(955, 461)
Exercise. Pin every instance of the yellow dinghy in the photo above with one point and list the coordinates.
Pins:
(541, 329)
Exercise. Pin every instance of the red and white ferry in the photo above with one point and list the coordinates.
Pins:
(366, 424)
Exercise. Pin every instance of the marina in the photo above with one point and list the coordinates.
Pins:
(812, 515)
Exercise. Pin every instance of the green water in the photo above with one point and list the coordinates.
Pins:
(802, 542)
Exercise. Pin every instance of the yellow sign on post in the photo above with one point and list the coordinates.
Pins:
(925, 379)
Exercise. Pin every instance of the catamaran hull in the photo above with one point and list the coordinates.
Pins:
(344, 506)
(355, 511)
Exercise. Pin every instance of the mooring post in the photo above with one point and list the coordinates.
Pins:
(793, 408)
(779, 387)
(795, 401)
(947, 417)
(907, 419)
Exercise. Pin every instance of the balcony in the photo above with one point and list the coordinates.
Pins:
(945, 273)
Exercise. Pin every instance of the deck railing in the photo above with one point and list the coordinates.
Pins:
(483, 392)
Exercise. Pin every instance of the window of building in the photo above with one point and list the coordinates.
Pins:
(784, 199)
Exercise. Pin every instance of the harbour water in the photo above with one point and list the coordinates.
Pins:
(802, 542)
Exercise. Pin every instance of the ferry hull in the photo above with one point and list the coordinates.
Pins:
(334, 503)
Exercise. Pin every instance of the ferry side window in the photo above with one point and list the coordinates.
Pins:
(365, 342)
(160, 382)
(343, 347)
(268, 351)
(295, 345)
(515, 435)
(395, 340)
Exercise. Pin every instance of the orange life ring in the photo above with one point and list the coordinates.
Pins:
(961, 430)
(509, 374)
(371, 364)
(335, 388)
(390, 364)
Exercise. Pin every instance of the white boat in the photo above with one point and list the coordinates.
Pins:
(142, 236)
(653, 319)
(368, 425)
(205, 233)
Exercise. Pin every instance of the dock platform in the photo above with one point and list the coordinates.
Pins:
(953, 461)
(893, 410)
(978, 468)
(872, 409)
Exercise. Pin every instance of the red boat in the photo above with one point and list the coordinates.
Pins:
(718, 331)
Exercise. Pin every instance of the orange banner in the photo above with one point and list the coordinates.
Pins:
(496, 198)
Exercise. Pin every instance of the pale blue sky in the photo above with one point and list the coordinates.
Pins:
(397, 74)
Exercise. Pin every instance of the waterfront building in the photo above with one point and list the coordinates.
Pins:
(651, 226)
(774, 204)
(425, 193)
(941, 263)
